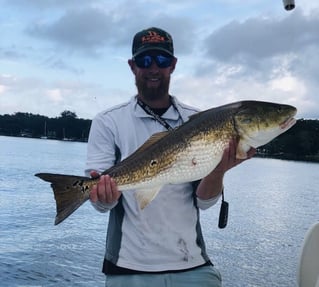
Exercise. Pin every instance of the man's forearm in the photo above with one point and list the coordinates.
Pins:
(210, 186)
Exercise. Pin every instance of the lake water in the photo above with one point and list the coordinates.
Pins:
(272, 204)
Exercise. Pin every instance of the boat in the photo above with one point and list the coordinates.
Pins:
(308, 266)
(45, 131)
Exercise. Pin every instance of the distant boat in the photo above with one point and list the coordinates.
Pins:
(45, 131)
(64, 137)
(67, 140)
(26, 134)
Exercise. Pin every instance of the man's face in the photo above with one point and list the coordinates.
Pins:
(152, 81)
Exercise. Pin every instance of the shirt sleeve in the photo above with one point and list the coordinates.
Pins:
(204, 203)
(207, 203)
(101, 145)
(101, 207)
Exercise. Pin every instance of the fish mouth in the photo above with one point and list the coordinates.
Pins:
(287, 124)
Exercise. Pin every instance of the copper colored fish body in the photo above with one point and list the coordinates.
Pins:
(188, 153)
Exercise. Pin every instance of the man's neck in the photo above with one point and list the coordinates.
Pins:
(164, 102)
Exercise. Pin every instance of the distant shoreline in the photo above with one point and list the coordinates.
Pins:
(283, 156)
(83, 140)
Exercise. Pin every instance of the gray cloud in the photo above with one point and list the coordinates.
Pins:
(47, 4)
(10, 54)
(93, 29)
(266, 48)
(182, 31)
(258, 38)
(60, 64)
(78, 29)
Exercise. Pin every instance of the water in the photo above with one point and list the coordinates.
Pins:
(272, 204)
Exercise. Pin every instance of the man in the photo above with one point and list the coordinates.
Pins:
(161, 245)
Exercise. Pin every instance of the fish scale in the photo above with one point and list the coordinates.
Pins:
(192, 164)
(188, 153)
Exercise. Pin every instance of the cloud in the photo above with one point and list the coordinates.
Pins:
(10, 53)
(47, 4)
(57, 63)
(288, 84)
(50, 98)
(79, 29)
(207, 91)
(55, 95)
(61, 55)
(260, 38)
(2, 89)
(182, 31)
(271, 58)
(93, 29)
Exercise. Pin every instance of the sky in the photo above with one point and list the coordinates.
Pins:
(58, 55)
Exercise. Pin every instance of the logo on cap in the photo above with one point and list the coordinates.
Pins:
(152, 37)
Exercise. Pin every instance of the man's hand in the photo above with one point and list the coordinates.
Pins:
(105, 191)
(212, 185)
(229, 159)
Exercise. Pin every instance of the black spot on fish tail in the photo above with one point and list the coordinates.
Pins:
(70, 192)
(75, 183)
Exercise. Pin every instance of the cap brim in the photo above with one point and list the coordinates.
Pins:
(153, 49)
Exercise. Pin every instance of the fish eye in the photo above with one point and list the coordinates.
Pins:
(246, 121)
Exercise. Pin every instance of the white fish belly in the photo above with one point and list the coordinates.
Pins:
(193, 163)
(197, 161)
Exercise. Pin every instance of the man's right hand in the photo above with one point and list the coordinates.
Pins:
(105, 191)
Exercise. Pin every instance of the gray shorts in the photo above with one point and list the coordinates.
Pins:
(205, 276)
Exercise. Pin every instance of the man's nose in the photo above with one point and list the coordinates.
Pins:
(153, 66)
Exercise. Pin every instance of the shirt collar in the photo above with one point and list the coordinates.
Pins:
(170, 114)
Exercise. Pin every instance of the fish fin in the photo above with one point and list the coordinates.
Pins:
(148, 143)
(70, 192)
(196, 115)
(145, 196)
(241, 152)
(152, 139)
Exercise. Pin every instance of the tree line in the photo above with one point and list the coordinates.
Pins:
(301, 142)
(65, 127)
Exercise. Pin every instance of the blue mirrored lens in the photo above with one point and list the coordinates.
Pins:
(146, 61)
(163, 61)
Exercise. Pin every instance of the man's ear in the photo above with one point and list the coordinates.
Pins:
(173, 65)
(132, 65)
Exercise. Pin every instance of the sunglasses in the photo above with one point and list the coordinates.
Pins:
(145, 61)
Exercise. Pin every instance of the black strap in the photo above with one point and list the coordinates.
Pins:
(158, 118)
(223, 213)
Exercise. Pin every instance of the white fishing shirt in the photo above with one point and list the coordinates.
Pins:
(166, 234)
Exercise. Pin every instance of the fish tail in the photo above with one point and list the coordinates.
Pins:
(70, 192)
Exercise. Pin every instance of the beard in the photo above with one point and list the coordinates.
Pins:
(152, 93)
